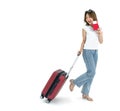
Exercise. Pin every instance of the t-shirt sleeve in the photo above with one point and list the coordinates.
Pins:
(84, 27)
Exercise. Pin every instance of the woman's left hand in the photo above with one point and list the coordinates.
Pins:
(99, 31)
(100, 35)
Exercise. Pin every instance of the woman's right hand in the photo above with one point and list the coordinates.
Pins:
(78, 53)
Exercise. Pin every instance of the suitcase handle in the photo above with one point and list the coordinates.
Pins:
(72, 65)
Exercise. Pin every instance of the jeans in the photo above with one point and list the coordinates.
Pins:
(90, 58)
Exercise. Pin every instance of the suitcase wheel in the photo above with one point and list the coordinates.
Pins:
(42, 96)
(48, 100)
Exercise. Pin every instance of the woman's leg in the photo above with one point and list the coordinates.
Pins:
(93, 56)
(84, 78)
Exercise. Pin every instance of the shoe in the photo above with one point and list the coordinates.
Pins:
(71, 87)
(87, 97)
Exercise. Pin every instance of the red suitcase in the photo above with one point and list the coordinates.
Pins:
(55, 83)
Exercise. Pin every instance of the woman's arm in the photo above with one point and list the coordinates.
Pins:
(100, 36)
(83, 41)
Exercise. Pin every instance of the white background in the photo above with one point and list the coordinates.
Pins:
(39, 37)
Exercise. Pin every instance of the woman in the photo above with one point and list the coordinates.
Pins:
(89, 50)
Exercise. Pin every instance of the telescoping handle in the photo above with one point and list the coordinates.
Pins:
(72, 66)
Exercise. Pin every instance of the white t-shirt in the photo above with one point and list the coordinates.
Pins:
(91, 38)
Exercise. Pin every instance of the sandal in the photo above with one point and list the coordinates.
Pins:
(71, 87)
(87, 97)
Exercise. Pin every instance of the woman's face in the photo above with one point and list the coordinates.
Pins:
(89, 19)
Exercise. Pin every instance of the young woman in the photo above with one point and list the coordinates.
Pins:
(89, 50)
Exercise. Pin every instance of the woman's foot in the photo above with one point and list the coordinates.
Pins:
(71, 87)
(87, 97)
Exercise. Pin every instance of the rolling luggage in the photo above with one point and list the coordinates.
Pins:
(55, 83)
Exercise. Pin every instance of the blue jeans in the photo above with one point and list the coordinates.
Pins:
(90, 58)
